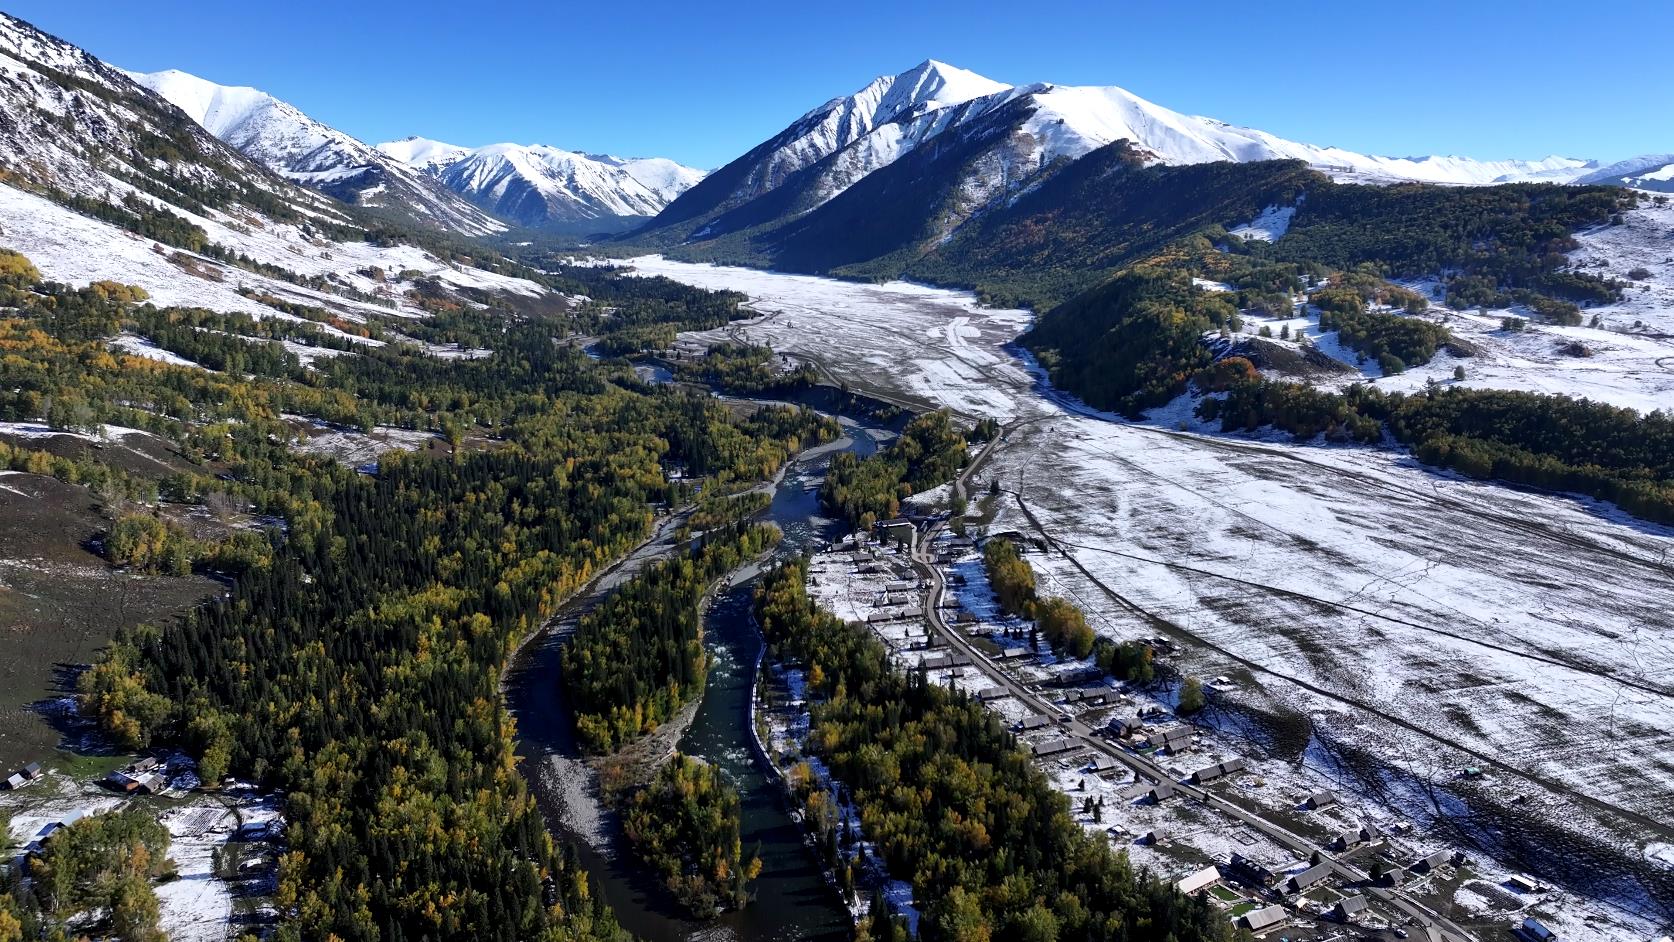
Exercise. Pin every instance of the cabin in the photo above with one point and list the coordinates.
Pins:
(1308, 878)
(1121, 728)
(1345, 840)
(1091, 696)
(1102, 763)
(897, 528)
(990, 694)
(1522, 884)
(1533, 930)
(1135, 791)
(1174, 740)
(1252, 872)
(1037, 721)
(1218, 770)
(16, 781)
(1432, 862)
(1348, 908)
(1261, 920)
(1203, 879)
(1319, 800)
(1052, 747)
(1160, 792)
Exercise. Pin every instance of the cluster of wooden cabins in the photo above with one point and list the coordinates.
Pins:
(1286, 882)
(24, 776)
(143, 776)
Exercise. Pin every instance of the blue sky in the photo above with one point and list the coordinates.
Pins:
(704, 82)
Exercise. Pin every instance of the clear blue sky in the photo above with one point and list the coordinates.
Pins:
(702, 82)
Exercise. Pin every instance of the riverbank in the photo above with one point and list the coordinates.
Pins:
(792, 898)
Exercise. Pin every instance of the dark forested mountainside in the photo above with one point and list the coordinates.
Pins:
(1082, 224)
(1138, 340)
(1495, 244)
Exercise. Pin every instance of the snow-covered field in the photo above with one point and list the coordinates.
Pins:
(1416, 622)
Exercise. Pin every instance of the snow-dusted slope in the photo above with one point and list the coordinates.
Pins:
(1071, 121)
(919, 97)
(536, 185)
(106, 179)
(1648, 172)
(76, 125)
(306, 151)
(660, 175)
(424, 154)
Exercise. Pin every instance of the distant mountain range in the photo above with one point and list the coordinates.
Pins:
(544, 187)
(305, 151)
(902, 164)
(957, 145)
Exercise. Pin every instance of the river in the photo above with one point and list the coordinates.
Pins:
(792, 899)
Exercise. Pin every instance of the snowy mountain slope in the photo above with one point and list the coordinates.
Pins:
(80, 128)
(1648, 172)
(1072, 121)
(929, 87)
(282, 138)
(422, 153)
(104, 179)
(830, 149)
(660, 175)
(541, 186)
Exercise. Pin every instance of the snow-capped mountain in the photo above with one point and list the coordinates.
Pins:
(282, 138)
(541, 186)
(74, 125)
(1648, 172)
(1027, 129)
(423, 154)
(1071, 121)
(912, 97)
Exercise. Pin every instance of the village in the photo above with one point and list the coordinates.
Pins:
(223, 845)
(1275, 844)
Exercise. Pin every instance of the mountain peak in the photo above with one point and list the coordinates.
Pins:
(931, 84)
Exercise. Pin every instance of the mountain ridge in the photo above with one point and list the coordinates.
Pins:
(541, 186)
(829, 149)
(287, 141)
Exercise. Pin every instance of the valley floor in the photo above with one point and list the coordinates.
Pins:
(1384, 625)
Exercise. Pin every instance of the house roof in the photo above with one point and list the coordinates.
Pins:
(1264, 918)
(1191, 883)
(1311, 875)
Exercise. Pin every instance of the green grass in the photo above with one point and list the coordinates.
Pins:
(1225, 894)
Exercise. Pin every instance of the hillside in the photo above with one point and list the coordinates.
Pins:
(295, 146)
